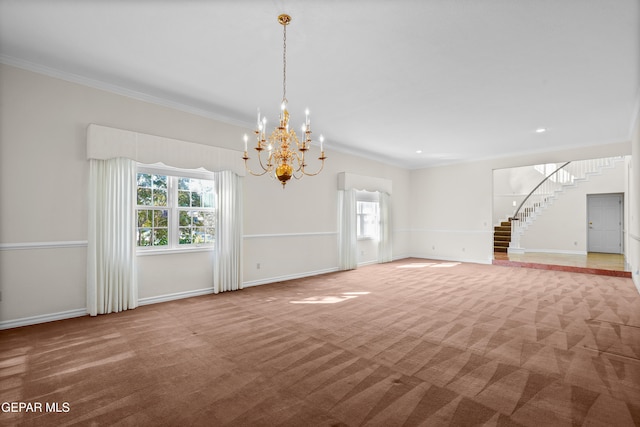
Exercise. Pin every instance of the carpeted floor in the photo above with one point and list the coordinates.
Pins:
(409, 343)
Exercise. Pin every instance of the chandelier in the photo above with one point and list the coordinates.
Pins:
(285, 157)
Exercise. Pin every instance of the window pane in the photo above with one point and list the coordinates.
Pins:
(208, 194)
(144, 180)
(144, 237)
(185, 235)
(209, 234)
(198, 235)
(144, 196)
(144, 218)
(184, 219)
(196, 200)
(195, 185)
(209, 219)
(183, 198)
(198, 218)
(159, 197)
(160, 218)
(205, 235)
(160, 237)
(160, 181)
(183, 183)
(207, 200)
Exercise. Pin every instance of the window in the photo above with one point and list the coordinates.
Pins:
(175, 208)
(153, 215)
(367, 219)
(195, 211)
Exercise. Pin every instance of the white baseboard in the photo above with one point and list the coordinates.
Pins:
(515, 250)
(43, 318)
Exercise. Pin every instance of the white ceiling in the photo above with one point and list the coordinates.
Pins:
(459, 80)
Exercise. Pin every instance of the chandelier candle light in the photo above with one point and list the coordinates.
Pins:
(281, 156)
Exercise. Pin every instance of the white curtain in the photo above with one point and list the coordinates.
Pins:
(227, 265)
(347, 239)
(111, 257)
(385, 253)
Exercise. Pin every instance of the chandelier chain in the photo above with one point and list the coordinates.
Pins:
(284, 64)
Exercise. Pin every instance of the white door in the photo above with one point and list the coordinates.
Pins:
(604, 217)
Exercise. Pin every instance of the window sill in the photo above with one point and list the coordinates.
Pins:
(147, 252)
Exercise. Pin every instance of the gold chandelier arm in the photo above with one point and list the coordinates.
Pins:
(300, 161)
(249, 169)
(322, 158)
(269, 164)
(265, 169)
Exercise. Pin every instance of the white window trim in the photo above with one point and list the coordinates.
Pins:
(161, 169)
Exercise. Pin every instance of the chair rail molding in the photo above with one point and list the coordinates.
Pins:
(43, 245)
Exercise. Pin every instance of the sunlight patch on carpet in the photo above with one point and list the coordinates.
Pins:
(330, 299)
(429, 264)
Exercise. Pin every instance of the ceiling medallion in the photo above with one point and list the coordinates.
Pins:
(283, 159)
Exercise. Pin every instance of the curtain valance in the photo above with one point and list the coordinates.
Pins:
(106, 143)
(348, 181)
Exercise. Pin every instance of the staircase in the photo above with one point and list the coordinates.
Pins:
(502, 236)
(542, 196)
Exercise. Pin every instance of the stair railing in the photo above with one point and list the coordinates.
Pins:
(544, 188)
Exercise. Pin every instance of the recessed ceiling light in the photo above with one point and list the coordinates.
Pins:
(541, 130)
(418, 151)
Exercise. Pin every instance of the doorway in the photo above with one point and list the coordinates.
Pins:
(604, 223)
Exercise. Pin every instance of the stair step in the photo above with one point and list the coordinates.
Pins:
(502, 236)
